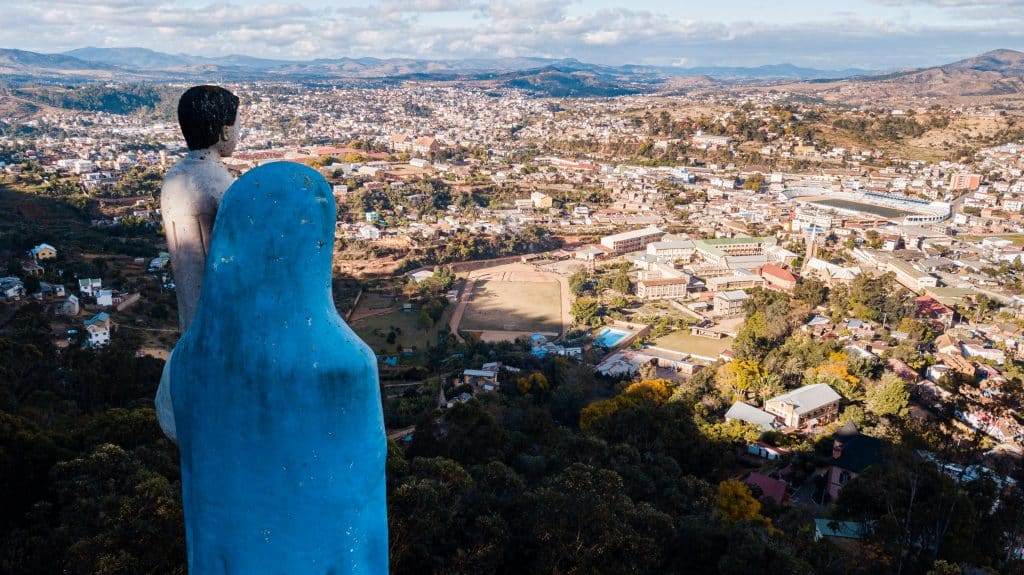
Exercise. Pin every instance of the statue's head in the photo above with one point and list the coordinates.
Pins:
(208, 116)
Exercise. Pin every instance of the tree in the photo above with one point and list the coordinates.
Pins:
(621, 283)
(645, 392)
(880, 298)
(751, 343)
(535, 384)
(32, 285)
(738, 376)
(654, 390)
(889, 396)
(112, 514)
(27, 454)
(812, 291)
(579, 281)
(584, 310)
(583, 522)
(754, 182)
(566, 402)
(423, 320)
(835, 372)
(916, 330)
(735, 503)
(647, 371)
(941, 567)
(618, 302)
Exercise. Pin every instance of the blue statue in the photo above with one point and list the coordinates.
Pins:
(276, 402)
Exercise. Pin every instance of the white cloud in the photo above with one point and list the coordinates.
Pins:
(950, 3)
(403, 6)
(487, 28)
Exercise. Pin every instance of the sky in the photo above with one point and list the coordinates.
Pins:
(870, 34)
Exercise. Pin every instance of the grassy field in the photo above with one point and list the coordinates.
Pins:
(1017, 239)
(682, 341)
(374, 328)
(513, 306)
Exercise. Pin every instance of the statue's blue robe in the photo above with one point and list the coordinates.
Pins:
(276, 400)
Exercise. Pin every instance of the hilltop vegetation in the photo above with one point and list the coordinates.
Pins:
(121, 99)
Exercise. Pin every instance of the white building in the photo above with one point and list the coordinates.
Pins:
(11, 288)
(369, 233)
(105, 297)
(632, 241)
(89, 286)
(729, 303)
(98, 329)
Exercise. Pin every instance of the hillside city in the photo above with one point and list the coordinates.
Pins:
(736, 331)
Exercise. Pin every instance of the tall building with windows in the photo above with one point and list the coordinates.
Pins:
(632, 241)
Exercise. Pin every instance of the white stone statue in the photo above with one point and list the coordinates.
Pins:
(189, 200)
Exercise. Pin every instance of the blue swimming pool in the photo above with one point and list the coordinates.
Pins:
(609, 337)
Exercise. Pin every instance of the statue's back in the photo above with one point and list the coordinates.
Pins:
(189, 199)
(276, 400)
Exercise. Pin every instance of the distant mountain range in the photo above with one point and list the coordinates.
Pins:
(997, 72)
(145, 64)
(145, 59)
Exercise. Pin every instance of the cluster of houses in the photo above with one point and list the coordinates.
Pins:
(485, 379)
(97, 327)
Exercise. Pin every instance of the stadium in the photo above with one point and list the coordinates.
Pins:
(894, 207)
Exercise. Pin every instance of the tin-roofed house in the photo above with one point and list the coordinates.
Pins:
(98, 328)
(44, 252)
(811, 405)
(852, 454)
(749, 414)
(482, 379)
(89, 286)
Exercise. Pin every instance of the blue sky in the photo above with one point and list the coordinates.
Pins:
(877, 34)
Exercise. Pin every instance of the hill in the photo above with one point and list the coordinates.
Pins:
(992, 73)
(995, 75)
(131, 57)
(554, 82)
(25, 66)
(120, 99)
(768, 72)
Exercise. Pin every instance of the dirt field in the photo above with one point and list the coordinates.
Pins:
(514, 301)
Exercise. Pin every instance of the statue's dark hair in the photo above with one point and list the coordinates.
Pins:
(204, 112)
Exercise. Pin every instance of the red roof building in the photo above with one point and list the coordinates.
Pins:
(774, 489)
(931, 308)
(778, 278)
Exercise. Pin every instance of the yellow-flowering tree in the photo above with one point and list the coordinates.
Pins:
(735, 503)
(835, 373)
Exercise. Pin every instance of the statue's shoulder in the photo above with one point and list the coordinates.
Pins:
(189, 177)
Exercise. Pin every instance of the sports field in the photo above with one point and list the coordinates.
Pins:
(683, 341)
(513, 306)
(880, 211)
